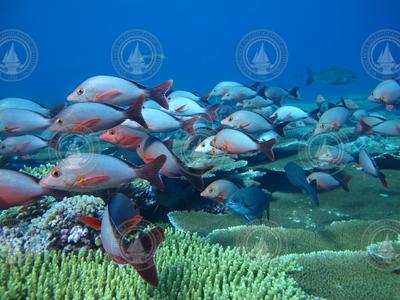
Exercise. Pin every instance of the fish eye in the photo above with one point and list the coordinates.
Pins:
(230, 119)
(56, 172)
(2, 146)
(80, 91)
(59, 121)
(138, 146)
(112, 132)
(210, 190)
(203, 145)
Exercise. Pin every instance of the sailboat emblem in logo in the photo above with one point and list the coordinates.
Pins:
(137, 55)
(380, 54)
(261, 55)
(18, 55)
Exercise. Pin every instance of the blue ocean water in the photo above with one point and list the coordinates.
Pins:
(199, 39)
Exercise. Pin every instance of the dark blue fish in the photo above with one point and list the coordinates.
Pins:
(249, 203)
(298, 177)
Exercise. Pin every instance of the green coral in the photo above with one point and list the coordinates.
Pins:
(39, 171)
(189, 268)
(345, 275)
(202, 222)
(345, 235)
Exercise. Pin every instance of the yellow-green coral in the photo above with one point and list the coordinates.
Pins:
(189, 268)
(345, 235)
(345, 275)
(39, 171)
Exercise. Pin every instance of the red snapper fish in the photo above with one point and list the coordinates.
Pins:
(119, 219)
(124, 137)
(86, 172)
(151, 148)
(20, 122)
(18, 188)
(118, 91)
(93, 117)
(236, 142)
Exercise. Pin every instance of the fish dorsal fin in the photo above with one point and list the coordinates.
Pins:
(30, 176)
(139, 85)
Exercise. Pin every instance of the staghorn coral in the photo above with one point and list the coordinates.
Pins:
(344, 275)
(189, 268)
(39, 171)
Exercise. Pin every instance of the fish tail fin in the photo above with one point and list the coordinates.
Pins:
(261, 92)
(310, 77)
(150, 242)
(266, 148)
(56, 109)
(151, 171)
(382, 178)
(314, 114)
(255, 85)
(194, 176)
(313, 192)
(345, 183)
(205, 98)
(294, 93)
(278, 128)
(212, 111)
(364, 127)
(188, 125)
(158, 93)
(135, 111)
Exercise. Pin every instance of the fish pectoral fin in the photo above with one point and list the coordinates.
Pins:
(21, 147)
(86, 181)
(244, 125)
(129, 140)
(10, 129)
(234, 155)
(118, 260)
(86, 123)
(107, 94)
(131, 224)
(180, 108)
(92, 222)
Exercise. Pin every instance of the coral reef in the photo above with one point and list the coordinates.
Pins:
(189, 268)
(55, 226)
(39, 171)
(276, 240)
(345, 275)
(202, 222)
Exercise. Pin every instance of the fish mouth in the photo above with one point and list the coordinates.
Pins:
(71, 97)
(44, 183)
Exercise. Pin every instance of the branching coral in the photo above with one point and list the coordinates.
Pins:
(56, 227)
(39, 171)
(189, 268)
